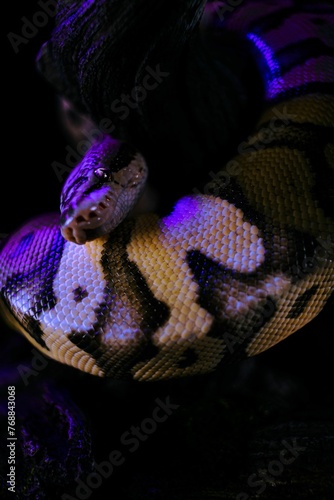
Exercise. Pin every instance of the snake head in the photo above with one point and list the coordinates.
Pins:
(101, 190)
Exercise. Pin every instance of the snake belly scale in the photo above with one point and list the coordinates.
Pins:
(230, 273)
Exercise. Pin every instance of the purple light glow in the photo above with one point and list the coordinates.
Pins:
(184, 211)
(274, 72)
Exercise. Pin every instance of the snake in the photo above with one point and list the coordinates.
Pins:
(230, 271)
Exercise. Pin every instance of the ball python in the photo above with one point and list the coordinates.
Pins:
(230, 271)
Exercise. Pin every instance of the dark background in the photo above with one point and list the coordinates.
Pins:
(32, 136)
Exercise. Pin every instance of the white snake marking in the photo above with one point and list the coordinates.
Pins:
(225, 274)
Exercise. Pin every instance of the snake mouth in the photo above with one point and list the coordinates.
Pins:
(87, 222)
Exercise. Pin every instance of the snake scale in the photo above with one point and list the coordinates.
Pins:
(229, 272)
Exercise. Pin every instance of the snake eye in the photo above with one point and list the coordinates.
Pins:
(102, 173)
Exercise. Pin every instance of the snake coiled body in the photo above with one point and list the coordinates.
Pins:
(228, 273)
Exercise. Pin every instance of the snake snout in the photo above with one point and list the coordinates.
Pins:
(82, 225)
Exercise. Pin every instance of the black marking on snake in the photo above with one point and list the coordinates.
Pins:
(300, 135)
(211, 275)
(69, 189)
(154, 313)
(298, 53)
(43, 298)
(233, 194)
(212, 278)
(189, 358)
(88, 342)
(237, 340)
(23, 245)
(270, 21)
(323, 190)
(302, 255)
(113, 362)
(302, 302)
(311, 140)
(29, 324)
(79, 294)
(124, 365)
(276, 19)
(33, 326)
(93, 187)
(123, 157)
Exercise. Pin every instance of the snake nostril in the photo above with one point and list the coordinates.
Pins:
(92, 214)
(80, 218)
